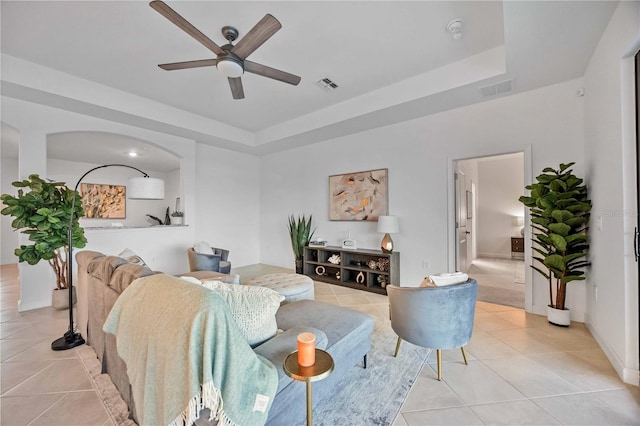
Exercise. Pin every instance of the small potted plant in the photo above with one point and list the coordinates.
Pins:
(44, 214)
(560, 210)
(300, 233)
(177, 215)
(177, 218)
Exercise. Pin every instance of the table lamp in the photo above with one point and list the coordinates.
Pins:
(388, 225)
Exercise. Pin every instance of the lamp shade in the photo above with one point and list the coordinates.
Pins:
(388, 224)
(230, 68)
(146, 188)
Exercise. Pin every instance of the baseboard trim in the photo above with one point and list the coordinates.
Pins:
(22, 307)
(628, 375)
(495, 255)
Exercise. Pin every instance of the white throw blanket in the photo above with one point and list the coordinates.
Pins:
(449, 278)
(184, 352)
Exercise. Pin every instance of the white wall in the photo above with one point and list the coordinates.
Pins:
(228, 202)
(8, 238)
(418, 154)
(609, 154)
(500, 184)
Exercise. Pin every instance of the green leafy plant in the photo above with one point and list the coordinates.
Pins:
(560, 211)
(43, 213)
(300, 233)
(177, 214)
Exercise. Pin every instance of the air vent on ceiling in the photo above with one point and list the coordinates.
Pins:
(326, 84)
(497, 88)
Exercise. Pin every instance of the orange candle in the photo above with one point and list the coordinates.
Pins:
(306, 349)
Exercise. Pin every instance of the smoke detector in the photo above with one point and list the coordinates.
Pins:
(455, 28)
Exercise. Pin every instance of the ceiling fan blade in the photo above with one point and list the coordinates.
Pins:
(266, 71)
(189, 64)
(260, 33)
(173, 16)
(236, 88)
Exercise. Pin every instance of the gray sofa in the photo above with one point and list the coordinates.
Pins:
(342, 332)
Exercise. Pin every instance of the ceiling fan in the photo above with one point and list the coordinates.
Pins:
(231, 60)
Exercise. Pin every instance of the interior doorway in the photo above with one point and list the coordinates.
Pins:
(489, 226)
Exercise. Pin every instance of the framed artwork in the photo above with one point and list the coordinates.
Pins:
(101, 201)
(359, 195)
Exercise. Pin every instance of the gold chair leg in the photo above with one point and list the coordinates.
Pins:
(464, 355)
(439, 353)
(397, 347)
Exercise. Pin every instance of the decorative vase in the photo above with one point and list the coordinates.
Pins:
(60, 298)
(299, 266)
(560, 317)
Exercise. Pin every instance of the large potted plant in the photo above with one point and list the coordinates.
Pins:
(300, 233)
(43, 213)
(560, 210)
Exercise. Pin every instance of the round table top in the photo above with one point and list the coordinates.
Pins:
(318, 371)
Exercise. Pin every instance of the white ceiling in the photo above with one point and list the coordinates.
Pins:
(369, 48)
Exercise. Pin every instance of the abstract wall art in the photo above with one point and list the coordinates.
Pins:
(359, 195)
(101, 201)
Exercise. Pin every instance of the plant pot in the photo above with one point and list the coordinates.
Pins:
(560, 317)
(176, 220)
(60, 298)
(299, 266)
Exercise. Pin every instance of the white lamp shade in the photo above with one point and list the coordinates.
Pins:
(145, 188)
(388, 224)
(230, 68)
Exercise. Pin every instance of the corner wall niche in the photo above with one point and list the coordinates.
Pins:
(71, 154)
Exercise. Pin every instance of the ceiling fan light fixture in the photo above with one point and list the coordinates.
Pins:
(230, 68)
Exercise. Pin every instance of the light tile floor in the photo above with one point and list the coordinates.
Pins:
(521, 370)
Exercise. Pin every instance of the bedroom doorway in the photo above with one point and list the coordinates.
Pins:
(489, 230)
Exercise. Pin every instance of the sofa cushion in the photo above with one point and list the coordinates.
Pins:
(125, 274)
(102, 268)
(280, 346)
(253, 308)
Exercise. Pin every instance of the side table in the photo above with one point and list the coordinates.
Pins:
(517, 248)
(318, 371)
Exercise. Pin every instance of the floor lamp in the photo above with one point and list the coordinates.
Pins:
(139, 188)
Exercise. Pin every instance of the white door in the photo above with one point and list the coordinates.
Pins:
(461, 222)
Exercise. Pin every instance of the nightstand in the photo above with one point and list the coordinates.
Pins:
(517, 248)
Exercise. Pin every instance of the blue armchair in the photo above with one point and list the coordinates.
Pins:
(434, 317)
(216, 262)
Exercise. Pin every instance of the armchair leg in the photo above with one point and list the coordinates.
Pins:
(397, 347)
(439, 353)
(364, 360)
(464, 355)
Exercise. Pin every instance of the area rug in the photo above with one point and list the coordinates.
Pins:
(113, 402)
(374, 396)
(501, 295)
(371, 396)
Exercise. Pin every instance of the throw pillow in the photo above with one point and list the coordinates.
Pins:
(253, 308)
(131, 257)
(203, 247)
(192, 280)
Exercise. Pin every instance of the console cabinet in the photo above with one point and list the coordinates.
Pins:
(354, 269)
